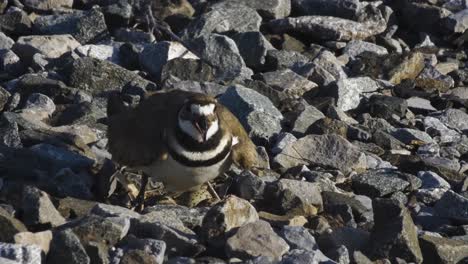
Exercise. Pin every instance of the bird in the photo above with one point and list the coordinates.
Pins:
(180, 138)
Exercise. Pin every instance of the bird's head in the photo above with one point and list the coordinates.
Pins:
(198, 118)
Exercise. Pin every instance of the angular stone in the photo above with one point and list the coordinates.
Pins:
(298, 256)
(298, 237)
(431, 79)
(154, 57)
(10, 63)
(9, 226)
(327, 28)
(67, 248)
(394, 233)
(5, 41)
(256, 239)
(360, 205)
(48, 5)
(431, 180)
(338, 8)
(352, 238)
(410, 136)
(357, 47)
(410, 68)
(38, 209)
(249, 186)
(452, 205)
(270, 8)
(102, 52)
(16, 22)
(306, 118)
(84, 26)
(283, 140)
(280, 59)
(387, 106)
(40, 239)
(108, 210)
(430, 16)
(222, 53)
(232, 213)
(322, 150)
(224, 17)
(420, 105)
(187, 70)
(378, 183)
(9, 133)
(191, 218)
(93, 228)
(436, 128)
(40, 105)
(21, 254)
(52, 46)
(256, 112)
(62, 157)
(349, 92)
(454, 118)
(443, 250)
(253, 47)
(154, 249)
(458, 22)
(299, 197)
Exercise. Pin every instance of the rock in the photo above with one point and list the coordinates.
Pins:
(458, 22)
(165, 217)
(409, 68)
(352, 238)
(454, 118)
(420, 105)
(21, 254)
(394, 234)
(232, 213)
(9, 133)
(38, 209)
(410, 136)
(328, 62)
(187, 70)
(223, 17)
(5, 41)
(328, 151)
(338, 8)
(287, 84)
(111, 77)
(327, 28)
(256, 113)
(15, 22)
(298, 238)
(48, 5)
(4, 98)
(299, 197)
(387, 107)
(153, 249)
(222, 53)
(62, 157)
(360, 205)
(448, 168)
(93, 228)
(101, 52)
(52, 46)
(9, 226)
(155, 56)
(67, 248)
(107, 210)
(443, 250)
(378, 183)
(282, 141)
(280, 59)
(256, 239)
(40, 239)
(40, 105)
(436, 128)
(191, 218)
(298, 256)
(452, 205)
(430, 78)
(10, 63)
(270, 9)
(250, 187)
(431, 16)
(349, 92)
(253, 47)
(431, 180)
(355, 48)
(132, 35)
(85, 26)
(306, 118)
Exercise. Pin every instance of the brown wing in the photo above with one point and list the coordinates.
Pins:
(136, 136)
(244, 154)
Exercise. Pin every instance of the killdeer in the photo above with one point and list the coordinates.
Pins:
(182, 139)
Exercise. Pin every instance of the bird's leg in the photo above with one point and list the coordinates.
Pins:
(140, 200)
(212, 191)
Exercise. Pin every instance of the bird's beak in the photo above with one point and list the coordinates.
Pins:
(202, 126)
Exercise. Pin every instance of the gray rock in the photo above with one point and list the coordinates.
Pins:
(101, 52)
(38, 209)
(10, 63)
(48, 5)
(15, 22)
(287, 84)
(5, 41)
(430, 16)
(209, 88)
(454, 118)
(28, 254)
(67, 248)
(9, 226)
(40, 105)
(222, 53)
(4, 98)
(330, 63)
(108, 210)
(409, 68)
(443, 250)
(322, 150)
(166, 217)
(190, 217)
(431, 79)
(360, 205)
(155, 56)
(431, 180)
(378, 183)
(62, 157)
(256, 239)
(298, 256)
(112, 77)
(306, 118)
(352, 238)
(355, 48)
(298, 237)
(232, 213)
(253, 47)
(338, 114)
(283, 140)
(186, 69)
(452, 205)
(448, 168)
(52, 46)
(9, 133)
(387, 107)
(338, 8)
(409, 136)
(418, 105)
(133, 36)
(458, 22)
(436, 128)
(327, 28)
(249, 186)
(280, 59)
(349, 92)
(299, 197)
(269, 9)
(84, 26)
(155, 249)
(460, 92)
(394, 233)
(255, 111)
(223, 17)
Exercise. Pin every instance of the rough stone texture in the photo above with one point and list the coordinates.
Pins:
(430, 78)
(409, 136)
(48, 4)
(67, 248)
(298, 237)
(454, 118)
(15, 22)
(270, 8)
(452, 205)
(21, 254)
(40, 239)
(305, 119)
(410, 68)
(458, 22)
(302, 257)
(256, 239)
(378, 183)
(323, 150)
(339, 8)
(52, 46)
(394, 233)
(9, 226)
(357, 47)
(443, 250)
(253, 47)
(300, 198)
(94, 228)
(9, 133)
(349, 92)
(5, 41)
(38, 209)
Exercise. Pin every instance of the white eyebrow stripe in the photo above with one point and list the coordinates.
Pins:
(202, 110)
